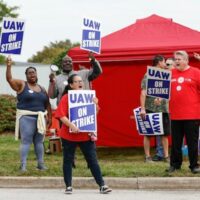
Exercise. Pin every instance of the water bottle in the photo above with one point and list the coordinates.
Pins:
(185, 151)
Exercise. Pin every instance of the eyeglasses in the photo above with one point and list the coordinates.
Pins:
(78, 81)
(168, 64)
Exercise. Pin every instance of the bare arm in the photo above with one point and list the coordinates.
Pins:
(52, 91)
(66, 121)
(197, 56)
(142, 103)
(15, 84)
(96, 100)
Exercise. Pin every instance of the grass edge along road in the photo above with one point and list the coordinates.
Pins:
(114, 162)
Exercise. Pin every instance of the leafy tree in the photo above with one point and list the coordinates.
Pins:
(2, 59)
(6, 11)
(58, 60)
(51, 54)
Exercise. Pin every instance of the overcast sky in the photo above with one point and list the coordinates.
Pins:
(49, 20)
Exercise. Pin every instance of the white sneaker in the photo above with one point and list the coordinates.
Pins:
(105, 189)
(68, 190)
(148, 160)
(23, 168)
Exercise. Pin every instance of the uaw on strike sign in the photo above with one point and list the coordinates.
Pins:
(12, 36)
(91, 36)
(82, 109)
(158, 82)
(152, 125)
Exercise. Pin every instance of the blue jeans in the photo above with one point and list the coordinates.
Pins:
(29, 135)
(88, 149)
(159, 147)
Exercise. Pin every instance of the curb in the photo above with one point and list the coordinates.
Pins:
(113, 182)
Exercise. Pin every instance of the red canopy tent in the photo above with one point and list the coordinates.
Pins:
(124, 57)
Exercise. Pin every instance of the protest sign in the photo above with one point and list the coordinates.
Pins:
(82, 110)
(12, 36)
(158, 82)
(152, 125)
(91, 36)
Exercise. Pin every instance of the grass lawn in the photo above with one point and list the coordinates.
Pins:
(114, 162)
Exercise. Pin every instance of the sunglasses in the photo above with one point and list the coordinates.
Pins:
(168, 64)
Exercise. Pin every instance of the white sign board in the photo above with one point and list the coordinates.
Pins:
(152, 125)
(12, 35)
(82, 109)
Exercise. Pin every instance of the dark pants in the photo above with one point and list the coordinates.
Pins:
(189, 128)
(88, 149)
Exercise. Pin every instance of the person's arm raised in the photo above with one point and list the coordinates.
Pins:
(52, 90)
(196, 55)
(15, 84)
(96, 67)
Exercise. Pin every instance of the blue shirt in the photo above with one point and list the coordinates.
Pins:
(31, 100)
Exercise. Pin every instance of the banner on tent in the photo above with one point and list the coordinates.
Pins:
(82, 109)
(158, 82)
(91, 36)
(152, 125)
(12, 36)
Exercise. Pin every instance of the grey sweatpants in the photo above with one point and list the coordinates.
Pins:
(29, 135)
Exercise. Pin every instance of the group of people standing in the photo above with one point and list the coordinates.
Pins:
(34, 112)
(184, 109)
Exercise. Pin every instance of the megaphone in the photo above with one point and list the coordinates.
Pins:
(54, 68)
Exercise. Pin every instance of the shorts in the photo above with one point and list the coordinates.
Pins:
(166, 123)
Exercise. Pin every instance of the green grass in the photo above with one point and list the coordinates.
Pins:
(114, 162)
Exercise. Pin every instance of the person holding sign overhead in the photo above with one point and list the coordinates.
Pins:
(70, 140)
(58, 83)
(152, 105)
(185, 112)
(33, 111)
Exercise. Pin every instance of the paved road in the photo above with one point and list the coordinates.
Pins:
(58, 194)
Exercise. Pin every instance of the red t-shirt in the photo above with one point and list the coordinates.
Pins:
(185, 94)
(64, 133)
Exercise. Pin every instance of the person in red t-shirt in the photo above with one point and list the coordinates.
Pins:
(185, 112)
(71, 140)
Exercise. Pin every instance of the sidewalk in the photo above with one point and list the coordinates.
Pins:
(115, 183)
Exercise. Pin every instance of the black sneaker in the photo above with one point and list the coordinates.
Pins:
(105, 189)
(157, 158)
(68, 190)
(172, 169)
(41, 167)
(195, 170)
